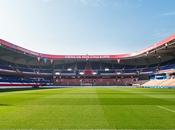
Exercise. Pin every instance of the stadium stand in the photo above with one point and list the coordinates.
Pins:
(153, 66)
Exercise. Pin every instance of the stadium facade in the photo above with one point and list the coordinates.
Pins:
(23, 67)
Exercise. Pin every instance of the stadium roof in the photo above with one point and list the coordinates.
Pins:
(163, 49)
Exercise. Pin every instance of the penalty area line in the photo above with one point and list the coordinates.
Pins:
(165, 108)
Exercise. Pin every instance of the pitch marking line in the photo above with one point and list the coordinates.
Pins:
(165, 108)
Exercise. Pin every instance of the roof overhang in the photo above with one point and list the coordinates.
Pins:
(156, 46)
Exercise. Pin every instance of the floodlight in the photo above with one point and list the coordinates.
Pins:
(94, 73)
(69, 69)
(106, 69)
(81, 73)
(57, 73)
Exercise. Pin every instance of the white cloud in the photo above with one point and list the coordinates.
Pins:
(47, 1)
(84, 2)
(169, 13)
(92, 2)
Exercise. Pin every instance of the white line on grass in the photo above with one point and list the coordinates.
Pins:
(165, 108)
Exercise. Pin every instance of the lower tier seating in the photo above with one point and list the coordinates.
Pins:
(161, 83)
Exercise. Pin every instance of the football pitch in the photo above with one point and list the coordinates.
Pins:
(88, 108)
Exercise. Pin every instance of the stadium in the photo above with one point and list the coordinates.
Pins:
(93, 91)
(87, 65)
(150, 67)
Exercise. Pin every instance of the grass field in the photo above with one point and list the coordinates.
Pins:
(88, 108)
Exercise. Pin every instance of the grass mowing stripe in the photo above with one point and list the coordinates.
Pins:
(87, 108)
(102, 109)
(165, 108)
(137, 115)
(118, 111)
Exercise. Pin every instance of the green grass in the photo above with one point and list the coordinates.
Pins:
(88, 108)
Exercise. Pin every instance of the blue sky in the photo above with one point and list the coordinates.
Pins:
(86, 26)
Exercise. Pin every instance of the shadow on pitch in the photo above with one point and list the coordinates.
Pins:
(5, 104)
(107, 101)
(19, 89)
